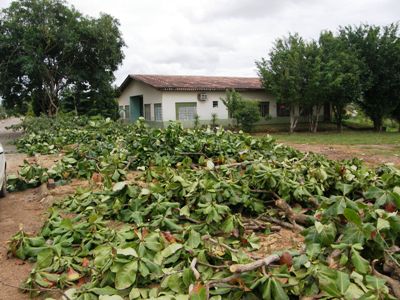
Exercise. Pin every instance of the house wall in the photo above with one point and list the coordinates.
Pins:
(137, 88)
(205, 108)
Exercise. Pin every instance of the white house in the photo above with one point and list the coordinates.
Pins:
(163, 98)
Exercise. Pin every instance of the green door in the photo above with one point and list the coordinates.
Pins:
(136, 108)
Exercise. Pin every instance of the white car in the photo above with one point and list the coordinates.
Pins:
(3, 175)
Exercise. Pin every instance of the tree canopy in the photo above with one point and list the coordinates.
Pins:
(54, 57)
(379, 49)
(291, 74)
(357, 65)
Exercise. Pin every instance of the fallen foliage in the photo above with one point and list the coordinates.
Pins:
(190, 223)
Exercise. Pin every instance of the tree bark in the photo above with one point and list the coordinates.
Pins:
(378, 124)
(293, 118)
(317, 113)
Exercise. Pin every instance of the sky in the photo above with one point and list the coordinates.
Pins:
(222, 37)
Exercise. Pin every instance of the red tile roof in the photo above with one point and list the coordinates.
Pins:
(196, 83)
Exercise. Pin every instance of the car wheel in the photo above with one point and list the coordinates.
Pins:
(3, 191)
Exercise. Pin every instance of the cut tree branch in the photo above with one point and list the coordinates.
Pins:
(394, 284)
(291, 215)
(241, 268)
(287, 225)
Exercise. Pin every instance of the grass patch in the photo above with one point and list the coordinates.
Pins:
(344, 138)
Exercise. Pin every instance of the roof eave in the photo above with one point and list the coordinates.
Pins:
(125, 83)
(178, 89)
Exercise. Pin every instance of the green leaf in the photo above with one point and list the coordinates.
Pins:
(353, 292)
(126, 276)
(171, 249)
(352, 216)
(382, 224)
(174, 282)
(267, 290)
(134, 294)
(114, 297)
(360, 264)
(107, 290)
(194, 239)
(188, 277)
(342, 282)
(344, 188)
(380, 196)
(277, 291)
(127, 252)
(375, 282)
(44, 258)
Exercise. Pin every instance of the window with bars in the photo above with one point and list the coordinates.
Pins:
(157, 112)
(264, 109)
(186, 111)
(127, 112)
(147, 112)
(215, 103)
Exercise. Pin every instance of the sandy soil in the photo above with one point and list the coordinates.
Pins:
(372, 155)
(18, 210)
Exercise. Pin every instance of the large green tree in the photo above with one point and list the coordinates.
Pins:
(340, 74)
(51, 53)
(379, 49)
(291, 75)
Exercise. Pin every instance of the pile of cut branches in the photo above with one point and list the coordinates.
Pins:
(188, 227)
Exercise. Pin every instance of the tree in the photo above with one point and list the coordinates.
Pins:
(395, 115)
(379, 49)
(286, 74)
(340, 80)
(50, 52)
(232, 101)
(246, 112)
(312, 102)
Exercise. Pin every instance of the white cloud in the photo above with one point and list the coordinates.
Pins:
(222, 37)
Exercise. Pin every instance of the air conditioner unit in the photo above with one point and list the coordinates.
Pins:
(202, 97)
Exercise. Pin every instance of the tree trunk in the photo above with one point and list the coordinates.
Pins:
(378, 124)
(339, 126)
(338, 111)
(315, 118)
(293, 118)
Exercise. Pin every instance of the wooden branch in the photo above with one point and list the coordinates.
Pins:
(57, 290)
(237, 164)
(214, 282)
(253, 225)
(190, 220)
(287, 225)
(291, 215)
(300, 160)
(394, 284)
(212, 266)
(192, 153)
(241, 268)
(194, 270)
(209, 238)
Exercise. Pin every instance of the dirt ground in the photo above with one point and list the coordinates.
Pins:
(18, 210)
(372, 155)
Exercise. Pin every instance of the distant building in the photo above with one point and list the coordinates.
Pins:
(163, 98)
